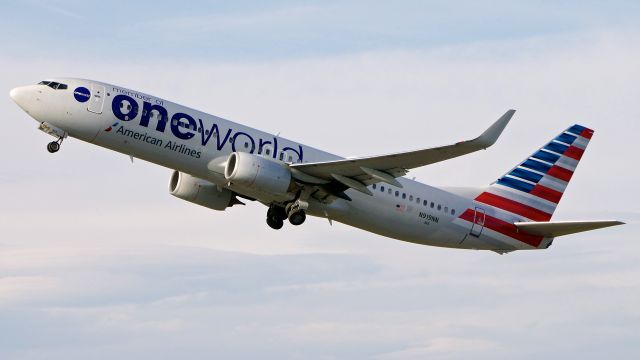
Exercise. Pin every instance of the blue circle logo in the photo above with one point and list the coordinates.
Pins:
(82, 94)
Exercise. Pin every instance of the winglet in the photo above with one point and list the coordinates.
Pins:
(490, 135)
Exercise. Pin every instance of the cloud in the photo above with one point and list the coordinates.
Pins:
(444, 348)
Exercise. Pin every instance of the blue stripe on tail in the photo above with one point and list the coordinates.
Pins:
(546, 156)
(576, 129)
(536, 165)
(556, 147)
(526, 174)
(566, 138)
(515, 184)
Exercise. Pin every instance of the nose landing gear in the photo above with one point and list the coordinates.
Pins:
(54, 146)
(58, 133)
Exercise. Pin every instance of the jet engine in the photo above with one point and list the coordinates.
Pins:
(201, 192)
(258, 173)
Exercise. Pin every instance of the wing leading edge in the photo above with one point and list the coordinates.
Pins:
(359, 172)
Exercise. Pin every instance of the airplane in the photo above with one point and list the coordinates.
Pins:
(217, 162)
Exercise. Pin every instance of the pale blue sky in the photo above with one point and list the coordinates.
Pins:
(98, 261)
(258, 30)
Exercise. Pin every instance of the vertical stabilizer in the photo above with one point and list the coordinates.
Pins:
(533, 189)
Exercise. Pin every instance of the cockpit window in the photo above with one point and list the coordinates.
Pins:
(54, 85)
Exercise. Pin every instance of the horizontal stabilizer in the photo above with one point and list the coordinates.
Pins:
(559, 228)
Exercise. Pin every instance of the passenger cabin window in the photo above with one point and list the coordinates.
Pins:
(397, 193)
(404, 195)
(453, 212)
(382, 188)
(425, 202)
(439, 207)
(410, 197)
(373, 186)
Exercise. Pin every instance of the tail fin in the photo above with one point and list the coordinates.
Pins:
(533, 188)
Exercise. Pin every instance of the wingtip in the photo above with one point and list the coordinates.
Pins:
(509, 114)
(491, 135)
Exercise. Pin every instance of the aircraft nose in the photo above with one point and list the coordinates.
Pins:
(21, 96)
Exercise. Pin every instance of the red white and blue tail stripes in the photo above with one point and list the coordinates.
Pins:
(531, 191)
(534, 188)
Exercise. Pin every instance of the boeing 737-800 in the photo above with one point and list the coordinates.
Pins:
(217, 162)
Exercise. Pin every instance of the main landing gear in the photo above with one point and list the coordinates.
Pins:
(54, 146)
(294, 211)
(276, 216)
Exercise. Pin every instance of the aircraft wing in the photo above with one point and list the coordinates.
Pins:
(359, 172)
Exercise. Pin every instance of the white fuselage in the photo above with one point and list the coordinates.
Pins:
(197, 143)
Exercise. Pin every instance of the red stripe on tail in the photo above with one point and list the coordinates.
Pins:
(574, 152)
(587, 133)
(504, 228)
(560, 173)
(546, 193)
(513, 206)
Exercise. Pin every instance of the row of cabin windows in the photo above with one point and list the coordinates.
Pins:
(425, 203)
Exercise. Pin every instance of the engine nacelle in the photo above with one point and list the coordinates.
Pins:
(258, 173)
(201, 192)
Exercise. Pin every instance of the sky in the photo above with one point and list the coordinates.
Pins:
(98, 261)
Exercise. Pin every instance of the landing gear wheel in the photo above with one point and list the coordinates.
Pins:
(275, 224)
(53, 147)
(297, 218)
(276, 216)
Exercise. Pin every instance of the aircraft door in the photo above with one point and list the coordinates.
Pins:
(97, 99)
(479, 217)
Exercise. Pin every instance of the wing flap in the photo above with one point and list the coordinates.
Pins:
(559, 228)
